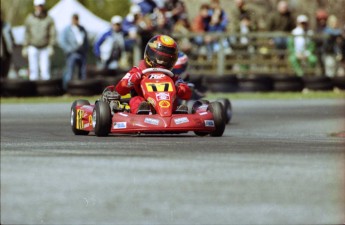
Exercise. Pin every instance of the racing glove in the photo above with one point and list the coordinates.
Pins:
(178, 82)
(134, 77)
(183, 91)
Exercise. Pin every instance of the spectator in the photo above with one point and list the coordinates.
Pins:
(109, 47)
(40, 37)
(182, 27)
(147, 6)
(283, 21)
(332, 47)
(218, 22)
(162, 25)
(74, 43)
(219, 19)
(301, 47)
(241, 11)
(6, 49)
(175, 10)
(244, 27)
(321, 24)
(321, 20)
(342, 69)
(136, 26)
(199, 25)
(201, 20)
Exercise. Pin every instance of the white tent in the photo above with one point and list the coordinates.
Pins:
(62, 13)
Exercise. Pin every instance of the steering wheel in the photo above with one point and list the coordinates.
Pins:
(161, 70)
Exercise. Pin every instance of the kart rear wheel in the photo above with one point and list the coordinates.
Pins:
(194, 104)
(101, 119)
(227, 109)
(79, 102)
(218, 117)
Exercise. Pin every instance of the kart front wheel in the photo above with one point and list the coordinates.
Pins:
(101, 119)
(79, 102)
(227, 109)
(218, 117)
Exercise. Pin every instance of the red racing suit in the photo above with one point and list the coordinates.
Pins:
(132, 81)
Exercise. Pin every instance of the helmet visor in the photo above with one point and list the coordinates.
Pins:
(161, 59)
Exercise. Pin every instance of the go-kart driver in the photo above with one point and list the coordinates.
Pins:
(180, 69)
(161, 51)
(181, 65)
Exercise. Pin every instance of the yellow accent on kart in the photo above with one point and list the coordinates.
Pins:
(126, 96)
(90, 119)
(164, 104)
(79, 119)
(159, 87)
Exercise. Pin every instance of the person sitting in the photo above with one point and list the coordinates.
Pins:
(160, 52)
(301, 47)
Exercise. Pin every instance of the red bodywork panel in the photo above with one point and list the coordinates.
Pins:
(124, 122)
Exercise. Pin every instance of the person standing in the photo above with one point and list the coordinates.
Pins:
(74, 42)
(6, 49)
(110, 46)
(40, 37)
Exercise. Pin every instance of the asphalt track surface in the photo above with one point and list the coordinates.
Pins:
(276, 164)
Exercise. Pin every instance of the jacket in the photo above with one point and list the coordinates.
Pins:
(69, 43)
(39, 31)
(110, 41)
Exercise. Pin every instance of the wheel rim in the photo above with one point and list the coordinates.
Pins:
(94, 118)
(72, 117)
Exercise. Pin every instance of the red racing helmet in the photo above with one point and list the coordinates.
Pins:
(161, 51)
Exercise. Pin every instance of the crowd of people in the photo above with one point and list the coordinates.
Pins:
(147, 18)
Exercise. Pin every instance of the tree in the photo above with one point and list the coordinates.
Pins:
(15, 11)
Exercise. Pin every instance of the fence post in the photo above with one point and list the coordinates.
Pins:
(220, 58)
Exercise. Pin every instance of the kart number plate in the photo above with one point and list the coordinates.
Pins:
(159, 87)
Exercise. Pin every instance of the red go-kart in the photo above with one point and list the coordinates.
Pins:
(110, 114)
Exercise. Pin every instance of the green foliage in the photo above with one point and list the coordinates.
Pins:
(107, 8)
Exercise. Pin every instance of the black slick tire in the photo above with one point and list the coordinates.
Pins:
(227, 108)
(101, 119)
(218, 117)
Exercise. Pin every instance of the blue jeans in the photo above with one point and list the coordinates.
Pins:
(74, 59)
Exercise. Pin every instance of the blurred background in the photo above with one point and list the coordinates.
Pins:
(236, 47)
(15, 11)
